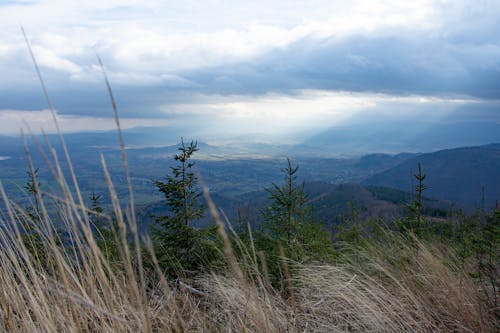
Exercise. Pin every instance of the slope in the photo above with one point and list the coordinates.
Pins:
(468, 176)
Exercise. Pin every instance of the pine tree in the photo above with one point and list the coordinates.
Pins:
(32, 186)
(287, 209)
(32, 225)
(180, 246)
(288, 218)
(104, 229)
(415, 208)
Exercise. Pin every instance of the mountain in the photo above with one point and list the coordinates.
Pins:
(397, 136)
(463, 175)
(329, 203)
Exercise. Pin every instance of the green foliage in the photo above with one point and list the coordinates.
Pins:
(389, 194)
(104, 228)
(415, 222)
(488, 257)
(32, 186)
(317, 242)
(288, 222)
(350, 230)
(180, 189)
(31, 224)
(179, 246)
(95, 204)
(476, 241)
(287, 211)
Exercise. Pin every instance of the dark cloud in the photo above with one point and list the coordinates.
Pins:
(460, 56)
(392, 65)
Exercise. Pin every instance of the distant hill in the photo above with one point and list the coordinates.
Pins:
(329, 202)
(332, 201)
(397, 136)
(458, 175)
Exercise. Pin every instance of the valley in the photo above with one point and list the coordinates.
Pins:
(376, 185)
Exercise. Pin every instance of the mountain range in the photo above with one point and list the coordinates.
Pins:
(468, 176)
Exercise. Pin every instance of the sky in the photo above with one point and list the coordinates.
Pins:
(239, 68)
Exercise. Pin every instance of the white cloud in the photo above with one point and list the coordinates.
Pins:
(66, 45)
(5, 49)
(11, 122)
(140, 48)
(308, 110)
(149, 37)
(46, 57)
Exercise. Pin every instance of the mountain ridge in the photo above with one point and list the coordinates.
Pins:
(467, 176)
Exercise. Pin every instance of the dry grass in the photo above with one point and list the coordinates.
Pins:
(411, 290)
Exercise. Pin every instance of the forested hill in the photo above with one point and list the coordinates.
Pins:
(467, 176)
(330, 203)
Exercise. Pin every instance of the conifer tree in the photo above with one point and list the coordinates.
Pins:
(180, 246)
(104, 228)
(32, 186)
(289, 221)
(287, 209)
(415, 208)
(32, 224)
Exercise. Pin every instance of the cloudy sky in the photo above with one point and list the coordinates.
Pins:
(244, 67)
